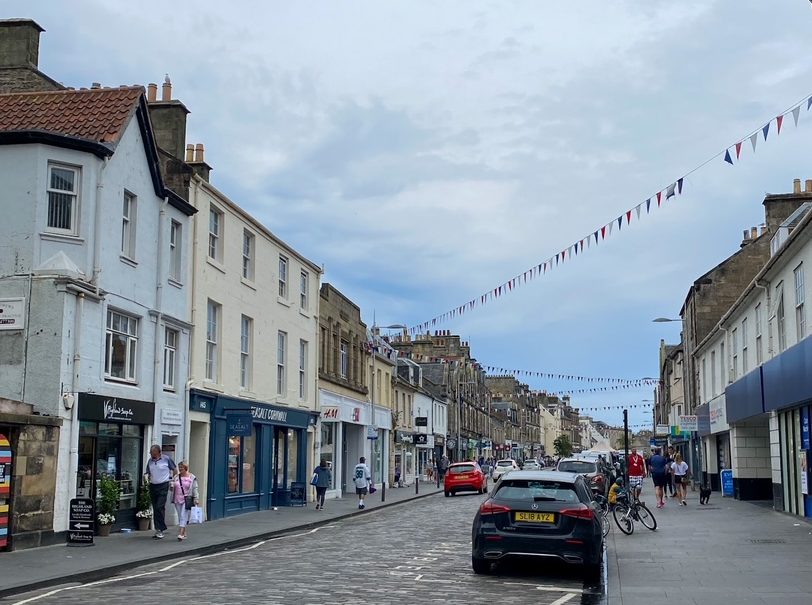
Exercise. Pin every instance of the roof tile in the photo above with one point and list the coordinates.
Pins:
(98, 115)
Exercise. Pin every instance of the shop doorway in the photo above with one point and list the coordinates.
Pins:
(114, 450)
(353, 450)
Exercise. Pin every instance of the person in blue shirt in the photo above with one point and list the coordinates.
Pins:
(659, 473)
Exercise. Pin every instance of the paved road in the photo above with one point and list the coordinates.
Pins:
(417, 552)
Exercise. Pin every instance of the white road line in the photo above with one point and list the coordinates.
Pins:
(167, 567)
(563, 599)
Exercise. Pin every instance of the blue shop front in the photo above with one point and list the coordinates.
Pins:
(257, 454)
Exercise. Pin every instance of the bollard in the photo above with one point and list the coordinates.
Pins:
(383, 492)
(416, 483)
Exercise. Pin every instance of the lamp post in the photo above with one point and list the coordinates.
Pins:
(375, 330)
(662, 320)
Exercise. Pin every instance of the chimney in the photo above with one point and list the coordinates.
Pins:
(152, 92)
(195, 157)
(168, 121)
(753, 232)
(95, 86)
(166, 89)
(796, 186)
(808, 186)
(778, 208)
(19, 58)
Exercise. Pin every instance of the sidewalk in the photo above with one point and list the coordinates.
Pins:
(26, 570)
(725, 552)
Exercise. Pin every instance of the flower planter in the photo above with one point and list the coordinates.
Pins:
(103, 530)
(143, 523)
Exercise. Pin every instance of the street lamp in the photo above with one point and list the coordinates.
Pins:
(662, 320)
(375, 330)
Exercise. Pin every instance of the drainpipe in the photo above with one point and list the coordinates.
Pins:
(765, 285)
(157, 378)
(97, 227)
(73, 464)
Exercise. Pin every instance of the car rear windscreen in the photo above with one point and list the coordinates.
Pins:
(576, 466)
(504, 463)
(533, 490)
(462, 468)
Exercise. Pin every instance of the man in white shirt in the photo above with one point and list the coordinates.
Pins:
(362, 477)
(161, 469)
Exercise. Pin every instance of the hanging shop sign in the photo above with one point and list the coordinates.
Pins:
(239, 424)
(421, 421)
(115, 409)
(688, 423)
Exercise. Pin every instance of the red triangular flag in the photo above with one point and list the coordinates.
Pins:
(603, 232)
(738, 149)
(628, 216)
(659, 197)
(779, 120)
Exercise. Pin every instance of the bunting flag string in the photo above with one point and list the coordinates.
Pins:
(570, 377)
(620, 406)
(617, 387)
(671, 190)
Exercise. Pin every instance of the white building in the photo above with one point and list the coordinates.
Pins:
(255, 309)
(94, 265)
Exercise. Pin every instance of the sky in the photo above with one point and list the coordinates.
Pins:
(425, 153)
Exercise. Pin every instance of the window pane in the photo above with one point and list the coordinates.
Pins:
(62, 179)
(60, 210)
(234, 446)
(328, 447)
(249, 457)
(293, 456)
(118, 357)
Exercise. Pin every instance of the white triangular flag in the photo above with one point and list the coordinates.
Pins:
(795, 113)
(609, 231)
(753, 140)
(637, 208)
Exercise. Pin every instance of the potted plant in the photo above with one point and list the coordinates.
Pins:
(144, 506)
(107, 503)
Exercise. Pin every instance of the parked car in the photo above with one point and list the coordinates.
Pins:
(503, 466)
(531, 465)
(543, 514)
(595, 476)
(465, 476)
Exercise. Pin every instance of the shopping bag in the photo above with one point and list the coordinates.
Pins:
(372, 488)
(314, 480)
(196, 515)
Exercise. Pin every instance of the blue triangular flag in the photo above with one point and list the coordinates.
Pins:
(648, 205)
(809, 103)
(596, 237)
(766, 130)
(728, 159)
(619, 222)
(679, 186)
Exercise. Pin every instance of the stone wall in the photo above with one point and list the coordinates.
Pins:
(35, 446)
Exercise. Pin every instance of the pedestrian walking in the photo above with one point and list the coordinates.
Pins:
(323, 477)
(442, 467)
(669, 459)
(637, 471)
(161, 469)
(185, 495)
(659, 472)
(680, 468)
(362, 477)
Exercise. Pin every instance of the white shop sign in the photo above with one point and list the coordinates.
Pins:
(12, 313)
(717, 411)
(688, 423)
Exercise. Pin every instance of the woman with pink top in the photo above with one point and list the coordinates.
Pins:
(186, 495)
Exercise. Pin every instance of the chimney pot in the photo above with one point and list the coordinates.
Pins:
(152, 91)
(753, 232)
(190, 152)
(808, 184)
(796, 186)
(166, 89)
(200, 153)
(95, 86)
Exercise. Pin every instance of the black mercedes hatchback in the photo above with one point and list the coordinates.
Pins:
(541, 514)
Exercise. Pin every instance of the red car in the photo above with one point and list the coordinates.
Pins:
(465, 476)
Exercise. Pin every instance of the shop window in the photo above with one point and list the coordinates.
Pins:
(328, 447)
(114, 450)
(293, 456)
(242, 454)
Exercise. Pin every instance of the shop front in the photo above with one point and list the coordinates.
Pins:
(404, 458)
(111, 443)
(788, 398)
(257, 454)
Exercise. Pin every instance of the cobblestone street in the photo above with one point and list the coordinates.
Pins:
(415, 552)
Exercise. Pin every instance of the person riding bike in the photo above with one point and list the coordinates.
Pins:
(616, 492)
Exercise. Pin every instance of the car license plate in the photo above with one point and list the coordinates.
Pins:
(463, 476)
(535, 517)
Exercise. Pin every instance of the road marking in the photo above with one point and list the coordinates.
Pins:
(563, 599)
(168, 567)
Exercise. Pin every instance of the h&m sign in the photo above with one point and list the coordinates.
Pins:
(331, 413)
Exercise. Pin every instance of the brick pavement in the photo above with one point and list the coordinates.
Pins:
(34, 568)
(726, 552)
(415, 553)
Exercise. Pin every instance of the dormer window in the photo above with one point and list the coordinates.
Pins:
(63, 199)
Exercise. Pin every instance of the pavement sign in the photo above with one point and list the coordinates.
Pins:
(81, 524)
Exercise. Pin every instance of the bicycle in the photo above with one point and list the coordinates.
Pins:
(626, 513)
(603, 506)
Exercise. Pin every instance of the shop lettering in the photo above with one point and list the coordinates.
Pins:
(269, 415)
(113, 412)
(330, 413)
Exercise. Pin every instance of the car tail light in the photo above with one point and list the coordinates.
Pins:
(580, 512)
(596, 479)
(489, 508)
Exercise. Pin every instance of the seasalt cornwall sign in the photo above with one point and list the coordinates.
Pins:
(269, 415)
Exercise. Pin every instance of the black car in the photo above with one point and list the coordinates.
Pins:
(545, 514)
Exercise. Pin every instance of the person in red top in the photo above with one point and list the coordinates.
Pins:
(637, 471)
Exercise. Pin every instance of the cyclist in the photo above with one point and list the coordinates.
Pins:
(616, 492)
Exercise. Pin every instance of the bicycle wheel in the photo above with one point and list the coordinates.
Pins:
(646, 517)
(605, 525)
(623, 520)
(603, 503)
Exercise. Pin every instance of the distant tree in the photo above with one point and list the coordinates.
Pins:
(562, 446)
